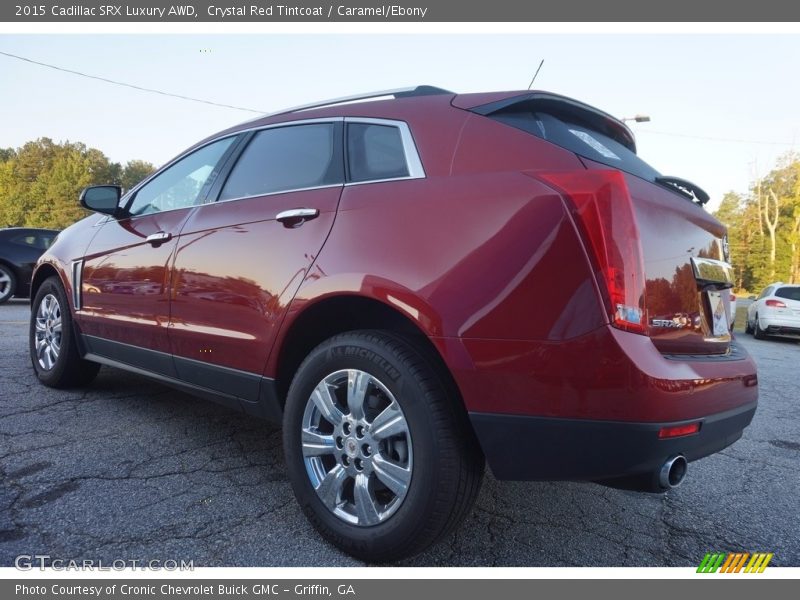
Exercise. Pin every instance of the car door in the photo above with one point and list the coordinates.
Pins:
(241, 258)
(125, 275)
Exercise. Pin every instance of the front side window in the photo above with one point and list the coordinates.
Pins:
(182, 184)
(375, 152)
(767, 291)
(281, 159)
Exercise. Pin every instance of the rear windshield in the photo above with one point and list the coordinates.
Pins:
(578, 138)
(790, 293)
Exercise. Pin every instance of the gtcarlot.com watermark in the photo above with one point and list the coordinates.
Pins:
(29, 562)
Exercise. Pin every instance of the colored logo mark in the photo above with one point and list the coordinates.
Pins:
(734, 562)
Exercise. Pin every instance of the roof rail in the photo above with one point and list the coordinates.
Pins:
(409, 92)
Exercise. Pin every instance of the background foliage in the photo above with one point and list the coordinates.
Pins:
(764, 227)
(40, 182)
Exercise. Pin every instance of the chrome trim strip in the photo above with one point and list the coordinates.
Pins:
(222, 137)
(711, 270)
(336, 101)
(368, 181)
(77, 283)
(305, 189)
(413, 161)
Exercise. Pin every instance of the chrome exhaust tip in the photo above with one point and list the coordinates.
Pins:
(672, 472)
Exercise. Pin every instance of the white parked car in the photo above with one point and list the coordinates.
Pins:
(775, 312)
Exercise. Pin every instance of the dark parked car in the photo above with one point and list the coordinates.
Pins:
(413, 285)
(20, 248)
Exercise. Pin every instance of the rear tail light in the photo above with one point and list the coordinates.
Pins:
(733, 297)
(776, 304)
(678, 430)
(603, 209)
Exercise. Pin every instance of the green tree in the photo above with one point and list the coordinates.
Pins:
(764, 227)
(41, 181)
(134, 172)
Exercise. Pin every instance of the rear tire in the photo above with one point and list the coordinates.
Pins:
(8, 284)
(759, 333)
(52, 340)
(431, 448)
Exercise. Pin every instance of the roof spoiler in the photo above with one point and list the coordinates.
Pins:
(561, 105)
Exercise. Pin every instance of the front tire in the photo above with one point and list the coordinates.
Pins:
(53, 348)
(8, 284)
(380, 455)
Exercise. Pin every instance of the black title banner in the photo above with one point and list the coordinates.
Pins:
(403, 11)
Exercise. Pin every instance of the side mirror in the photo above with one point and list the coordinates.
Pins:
(102, 199)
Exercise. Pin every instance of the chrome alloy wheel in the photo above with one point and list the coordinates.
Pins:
(48, 332)
(357, 447)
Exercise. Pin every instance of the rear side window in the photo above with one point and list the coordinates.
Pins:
(375, 152)
(790, 293)
(766, 292)
(579, 138)
(286, 158)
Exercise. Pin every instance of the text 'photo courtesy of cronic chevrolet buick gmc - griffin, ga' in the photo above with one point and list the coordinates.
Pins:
(416, 283)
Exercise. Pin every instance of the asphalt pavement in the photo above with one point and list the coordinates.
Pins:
(129, 469)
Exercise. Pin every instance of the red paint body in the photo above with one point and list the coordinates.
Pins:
(485, 259)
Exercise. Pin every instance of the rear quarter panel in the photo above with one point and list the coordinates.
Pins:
(490, 256)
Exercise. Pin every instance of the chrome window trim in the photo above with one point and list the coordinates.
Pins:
(413, 161)
(368, 181)
(185, 153)
(410, 151)
(305, 189)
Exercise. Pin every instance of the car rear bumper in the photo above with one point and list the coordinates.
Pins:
(783, 330)
(780, 325)
(519, 447)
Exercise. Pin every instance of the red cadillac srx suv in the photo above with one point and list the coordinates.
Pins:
(413, 283)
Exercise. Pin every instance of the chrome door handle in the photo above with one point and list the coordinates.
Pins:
(296, 216)
(159, 238)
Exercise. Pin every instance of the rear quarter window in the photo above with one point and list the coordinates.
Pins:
(790, 293)
(375, 152)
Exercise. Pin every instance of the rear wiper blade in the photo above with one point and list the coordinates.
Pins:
(691, 190)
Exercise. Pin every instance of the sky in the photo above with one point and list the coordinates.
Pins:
(723, 107)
